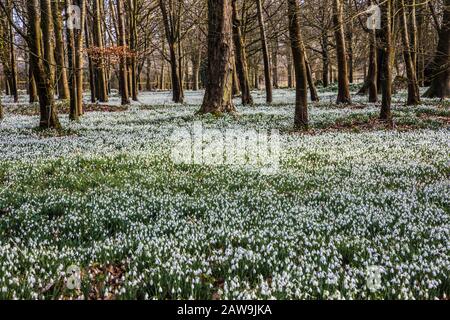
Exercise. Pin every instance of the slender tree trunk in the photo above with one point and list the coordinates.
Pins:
(70, 35)
(63, 84)
(92, 72)
(373, 69)
(12, 53)
(196, 60)
(99, 67)
(32, 89)
(123, 74)
(79, 33)
(171, 34)
(311, 85)
(241, 58)
(265, 53)
(218, 95)
(301, 101)
(289, 70)
(385, 44)
(275, 61)
(341, 51)
(133, 46)
(413, 87)
(325, 60)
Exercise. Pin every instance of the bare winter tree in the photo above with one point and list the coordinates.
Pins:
(219, 89)
(298, 54)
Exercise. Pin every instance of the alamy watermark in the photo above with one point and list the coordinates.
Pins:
(253, 149)
(374, 20)
(73, 17)
(373, 278)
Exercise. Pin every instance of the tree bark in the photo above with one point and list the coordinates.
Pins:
(298, 55)
(41, 52)
(325, 60)
(241, 58)
(413, 87)
(440, 66)
(70, 35)
(172, 35)
(341, 52)
(123, 73)
(218, 96)
(99, 68)
(265, 53)
(385, 45)
(63, 84)
(79, 35)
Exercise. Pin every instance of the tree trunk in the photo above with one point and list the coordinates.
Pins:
(133, 46)
(341, 52)
(172, 33)
(413, 87)
(373, 69)
(79, 33)
(241, 58)
(440, 79)
(265, 53)
(311, 85)
(325, 60)
(298, 54)
(385, 45)
(275, 61)
(99, 68)
(32, 86)
(41, 52)
(12, 53)
(123, 74)
(70, 35)
(196, 60)
(218, 96)
(63, 84)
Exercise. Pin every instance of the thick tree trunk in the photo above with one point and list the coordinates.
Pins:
(241, 58)
(265, 53)
(218, 95)
(413, 87)
(41, 52)
(298, 54)
(341, 52)
(61, 72)
(385, 45)
(440, 79)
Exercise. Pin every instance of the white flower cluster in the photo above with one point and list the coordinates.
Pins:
(108, 197)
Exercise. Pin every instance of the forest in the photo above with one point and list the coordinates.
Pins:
(224, 149)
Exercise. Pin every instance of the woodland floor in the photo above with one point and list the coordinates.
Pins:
(105, 195)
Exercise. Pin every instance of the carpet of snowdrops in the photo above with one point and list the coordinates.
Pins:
(107, 197)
